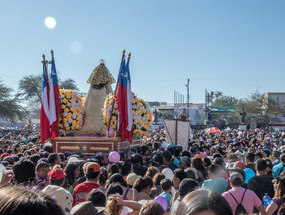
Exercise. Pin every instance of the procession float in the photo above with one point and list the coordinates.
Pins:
(90, 125)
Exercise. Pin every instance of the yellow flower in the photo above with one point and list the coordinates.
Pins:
(72, 127)
(77, 127)
(65, 100)
(144, 110)
(64, 120)
(140, 132)
(135, 131)
(72, 109)
(135, 122)
(71, 100)
(60, 90)
(74, 122)
(145, 122)
(78, 118)
(134, 112)
(63, 106)
(145, 126)
(79, 111)
(104, 121)
(105, 126)
(67, 128)
(68, 117)
(61, 125)
(142, 123)
(114, 118)
(68, 96)
(114, 111)
(73, 94)
(102, 110)
(75, 112)
(112, 97)
(108, 105)
(133, 101)
(66, 109)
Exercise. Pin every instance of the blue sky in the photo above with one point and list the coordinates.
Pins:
(225, 45)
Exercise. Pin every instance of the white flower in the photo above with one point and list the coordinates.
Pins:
(60, 130)
(66, 124)
(116, 106)
(74, 116)
(62, 96)
(134, 106)
(137, 126)
(65, 114)
(70, 121)
(69, 104)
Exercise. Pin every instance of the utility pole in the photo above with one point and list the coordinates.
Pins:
(187, 85)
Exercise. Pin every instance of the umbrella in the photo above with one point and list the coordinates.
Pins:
(213, 130)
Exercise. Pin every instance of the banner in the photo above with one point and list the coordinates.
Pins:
(196, 112)
(183, 132)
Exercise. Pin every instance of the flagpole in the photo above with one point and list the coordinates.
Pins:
(115, 94)
(47, 83)
(61, 111)
(129, 56)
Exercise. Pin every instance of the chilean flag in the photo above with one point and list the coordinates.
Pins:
(124, 97)
(45, 111)
(54, 101)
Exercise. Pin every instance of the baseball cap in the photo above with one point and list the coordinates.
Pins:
(86, 208)
(199, 155)
(170, 145)
(5, 155)
(93, 167)
(236, 176)
(131, 178)
(240, 164)
(60, 195)
(56, 174)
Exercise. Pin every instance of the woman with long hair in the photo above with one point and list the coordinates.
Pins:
(202, 173)
(277, 202)
(72, 172)
(143, 186)
(129, 193)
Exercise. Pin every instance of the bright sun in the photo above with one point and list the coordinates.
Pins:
(50, 22)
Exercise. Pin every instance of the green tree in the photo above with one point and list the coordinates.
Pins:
(225, 101)
(9, 104)
(68, 84)
(30, 88)
(257, 104)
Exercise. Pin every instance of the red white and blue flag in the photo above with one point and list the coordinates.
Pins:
(124, 97)
(54, 101)
(45, 111)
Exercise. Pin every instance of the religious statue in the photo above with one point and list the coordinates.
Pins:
(243, 114)
(100, 82)
(183, 115)
(155, 116)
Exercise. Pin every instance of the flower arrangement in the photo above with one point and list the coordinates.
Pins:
(142, 115)
(72, 107)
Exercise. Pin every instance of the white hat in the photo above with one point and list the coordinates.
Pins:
(60, 195)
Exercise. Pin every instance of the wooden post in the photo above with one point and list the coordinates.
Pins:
(45, 62)
(176, 131)
(59, 101)
(115, 94)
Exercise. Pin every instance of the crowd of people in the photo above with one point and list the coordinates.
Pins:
(228, 172)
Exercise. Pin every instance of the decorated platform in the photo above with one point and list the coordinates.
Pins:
(90, 145)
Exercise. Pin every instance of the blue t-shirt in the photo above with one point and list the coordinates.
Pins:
(176, 162)
(218, 184)
(167, 196)
(276, 169)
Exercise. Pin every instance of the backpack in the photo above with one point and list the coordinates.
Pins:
(240, 209)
